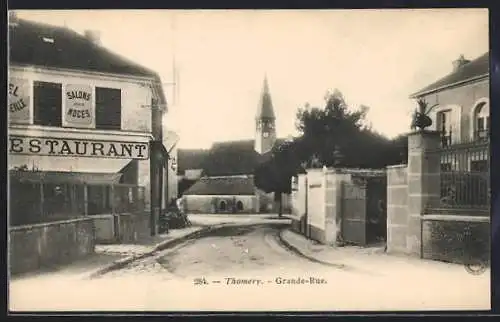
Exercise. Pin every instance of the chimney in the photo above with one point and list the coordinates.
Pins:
(458, 63)
(94, 36)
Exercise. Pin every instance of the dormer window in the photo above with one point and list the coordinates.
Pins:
(49, 40)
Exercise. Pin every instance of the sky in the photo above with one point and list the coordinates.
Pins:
(375, 58)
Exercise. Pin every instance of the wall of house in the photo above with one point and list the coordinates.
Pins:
(34, 247)
(136, 95)
(461, 101)
(206, 204)
(135, 119)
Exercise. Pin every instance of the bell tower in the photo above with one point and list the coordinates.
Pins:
(265, 134)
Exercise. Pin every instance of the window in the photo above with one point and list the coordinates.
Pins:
(239, 205)
(222, 205)
(108, 105)
(444, 126)
(47, 103)
(481, 121)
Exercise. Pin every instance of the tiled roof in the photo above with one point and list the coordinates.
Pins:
(478, 67)
(190, 159)
(233, 158)
(236, 185)
(69, 50)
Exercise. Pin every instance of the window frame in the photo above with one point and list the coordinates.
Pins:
(107, 123)
(38, 116)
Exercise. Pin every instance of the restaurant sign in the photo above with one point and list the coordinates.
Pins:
(19, 100)
(44, 146)
(79, 106)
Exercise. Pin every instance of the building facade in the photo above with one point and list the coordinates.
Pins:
(459, 105)
(82, 114)
(222, 177)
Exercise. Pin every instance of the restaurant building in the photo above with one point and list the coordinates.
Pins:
(82, 116)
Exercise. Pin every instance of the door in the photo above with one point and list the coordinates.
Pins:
(376, 210)
(353, 203)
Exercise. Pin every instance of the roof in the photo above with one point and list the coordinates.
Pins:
(474, 69)
(190, 159)
(237, 185)
(60, 177)
(69, 50)
(233, 158)
(265, 108)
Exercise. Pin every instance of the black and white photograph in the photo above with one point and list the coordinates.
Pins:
(248, 160)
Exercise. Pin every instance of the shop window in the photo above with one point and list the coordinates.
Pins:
(47, 104)
(108, 105)
(239, 205)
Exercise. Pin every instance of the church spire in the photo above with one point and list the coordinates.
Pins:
(265, 109)
(265, 136)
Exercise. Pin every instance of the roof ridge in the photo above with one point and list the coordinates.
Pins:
(449, 79)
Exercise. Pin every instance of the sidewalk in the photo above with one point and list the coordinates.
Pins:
(370, 259)
(218, 219)
(145, 245)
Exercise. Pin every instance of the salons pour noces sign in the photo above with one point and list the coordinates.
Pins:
(79, 107)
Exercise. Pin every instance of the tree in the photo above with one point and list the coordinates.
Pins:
(332, 136)
(274, 173)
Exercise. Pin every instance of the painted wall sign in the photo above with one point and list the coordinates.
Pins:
(79, 105)
(77, 148)
(19, 100)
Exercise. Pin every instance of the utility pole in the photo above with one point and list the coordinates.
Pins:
(156, 161)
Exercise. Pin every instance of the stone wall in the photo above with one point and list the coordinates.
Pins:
(121, 228)
(451, 235)
(456, 239)
(397, 208)
(33, 247)
(133, 227)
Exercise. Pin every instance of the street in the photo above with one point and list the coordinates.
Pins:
(246, 268)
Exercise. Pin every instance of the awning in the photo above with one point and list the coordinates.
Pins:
(59, 177)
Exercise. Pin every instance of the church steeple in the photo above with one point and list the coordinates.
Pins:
(265, 121)
(265, 109)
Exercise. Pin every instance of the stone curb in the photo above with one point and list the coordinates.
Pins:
(121, 263)
(300, 253)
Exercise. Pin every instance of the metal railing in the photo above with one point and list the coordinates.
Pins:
(464, 174)
(31, 203)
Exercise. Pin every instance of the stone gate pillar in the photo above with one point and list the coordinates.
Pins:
(423, 184)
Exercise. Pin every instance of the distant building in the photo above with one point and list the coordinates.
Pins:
(460, 104)
(223, 175)
(79, 113)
